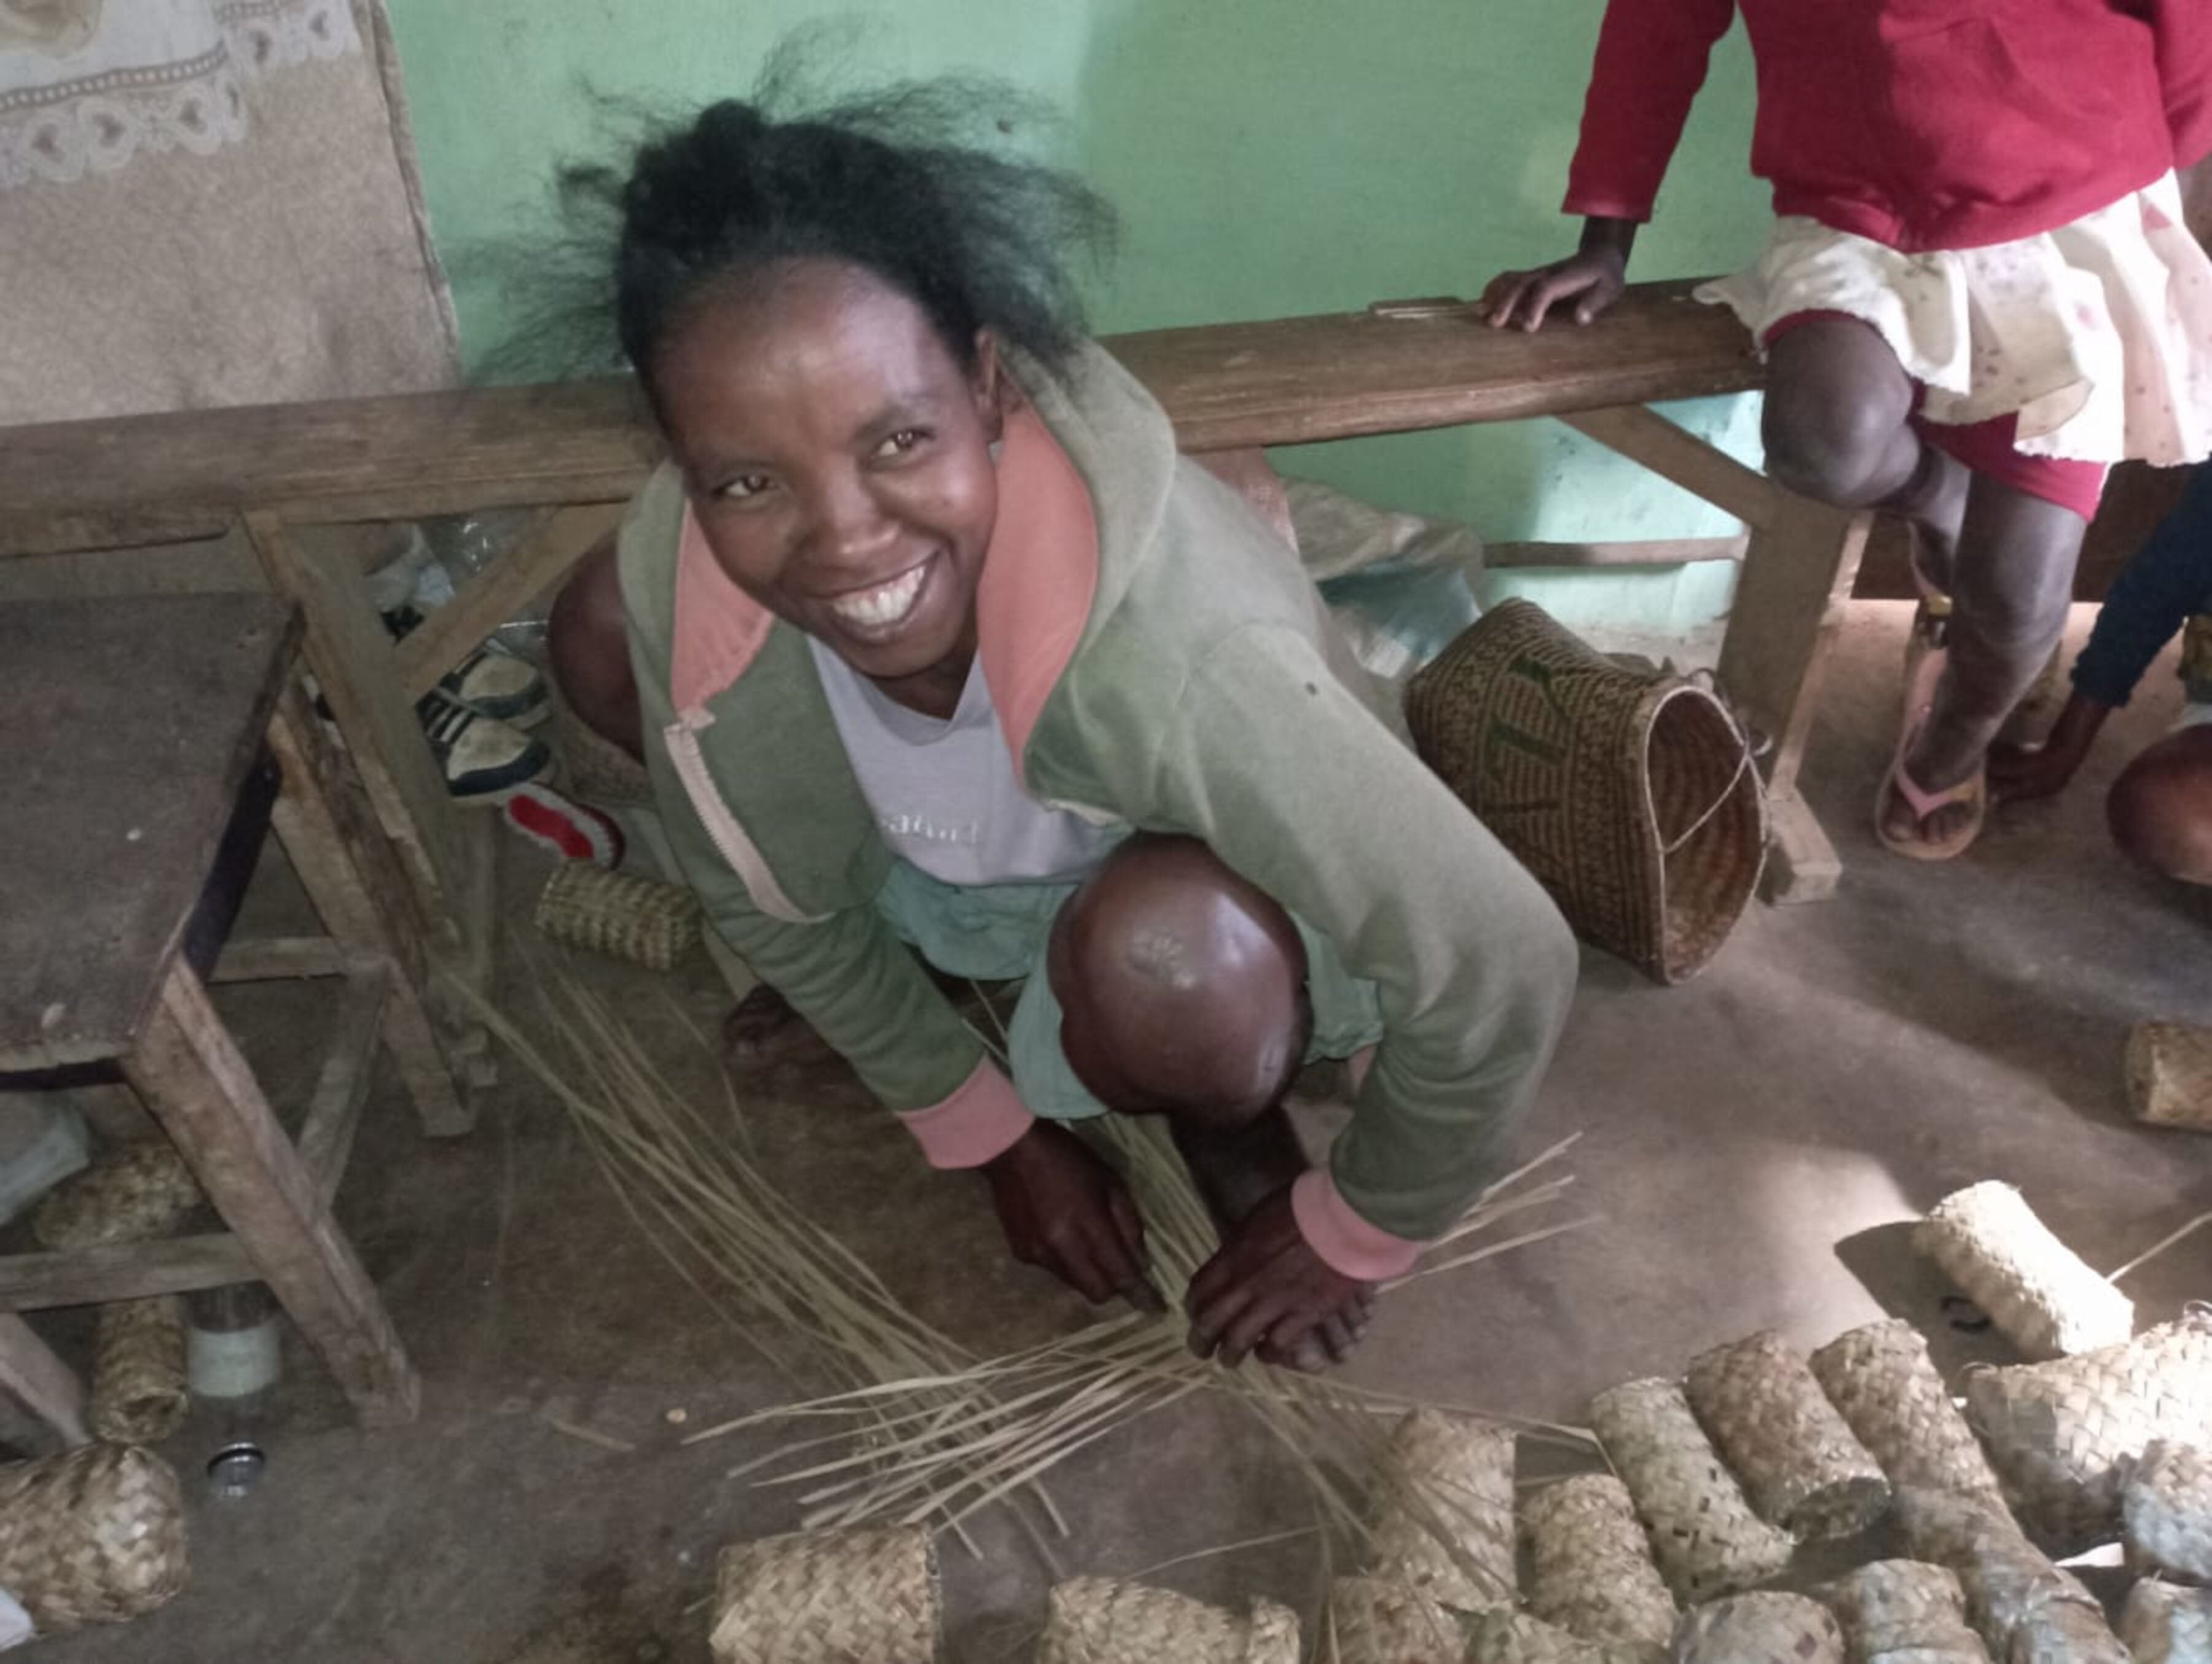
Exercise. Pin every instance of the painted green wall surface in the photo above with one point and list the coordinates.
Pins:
(1268, 157)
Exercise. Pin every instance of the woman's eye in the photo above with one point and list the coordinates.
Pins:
(900, 442)
(744, 486)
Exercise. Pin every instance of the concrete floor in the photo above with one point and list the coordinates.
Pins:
(1753, 1140)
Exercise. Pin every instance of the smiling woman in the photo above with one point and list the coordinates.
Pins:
(942, 654)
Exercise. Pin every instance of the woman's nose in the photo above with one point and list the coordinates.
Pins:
(849, 524)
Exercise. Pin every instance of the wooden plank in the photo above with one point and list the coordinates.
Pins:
(40, 1382)
(1790, 600)
(350, 653)
(334, 1109)
(129, 727)
(352, 875)
(537, 561)
(280, 958)
(1663, 552)
(1674, 453)
(1802, 864)
(191, 1076)
(122, 1271)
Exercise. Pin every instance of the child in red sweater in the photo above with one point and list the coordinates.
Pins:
(1980, 294)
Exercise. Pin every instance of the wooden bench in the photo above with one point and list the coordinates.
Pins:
(576, 450)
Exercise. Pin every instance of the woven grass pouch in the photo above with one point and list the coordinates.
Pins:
(1443, 1511)
(2169, 1068)
(1372, 1620)
(1786, 1629)
(647, 921)
(2163, 1625)
(2022, 1605)
(2041, 1295)
(94, 1535)
(827, 1597)
(1512, 1637)
(2167, 1505)
(139, 1394)
(1892, 1395)
(1904, 1609)
(1589, 1568)
(1630, 796)
(1802, 1466)
(1095, 1621)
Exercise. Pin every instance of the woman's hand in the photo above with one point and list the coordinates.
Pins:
(2018, 773)
(1266, 1291)
(1063, 1208)
(1593, 277)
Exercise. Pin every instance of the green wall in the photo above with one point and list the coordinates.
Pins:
(1268, 157)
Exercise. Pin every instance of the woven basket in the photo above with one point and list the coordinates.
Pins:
(644, 921)
(1589, 1570)
(1375, 1621)
(1630, 796)
(1499, 1636)
(139, 1394)
(1704, 1536)
(2065, 1435)
(1094, 1620)
(1886, 1386)
(827, 1597)
(135, 1192)
(2010, 1584)
(2170, 1075)
(1798, 1461)
(1785, 1629)
(594, 768)
(94, 1535)
(1894, 1610)
(2038, 1292)
(2167, 1508)
(2163, 1625)
(1443, 1511)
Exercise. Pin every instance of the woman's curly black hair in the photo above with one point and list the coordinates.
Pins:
(914, 183)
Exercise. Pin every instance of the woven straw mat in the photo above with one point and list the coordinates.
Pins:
(1798, 1461)
(2163, 1625)
(1589, 1570)
(134, 1191)
(139, 1394)
(1443, 1511)
(2036, 1290)
(2165, 1505)
(1909, 1607)
(827, 1597)
(2169, 1068)
(1378, 1622)
(1786, 1629)
(1094, 1620)
(94, 1535)
(1630, 796)
(1887, 1388)
(1703, 1533)
(647, 921)
(2064, 1436)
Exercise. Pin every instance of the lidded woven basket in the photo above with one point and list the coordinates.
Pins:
(136, 1191)
(1890, 1393)
(1631, 795)
(647, 921)
(828, 1597)
(1590, 1571)
(139, 1393)
(1372, 1620)
(1773, 1629)
(1443, 1511)
(93, 1535)
(2162, 1624)
(1904, 1609)
(1800, 1464)
(2039, 1293)
(2166, 1506)
(1097, 1620)
(2169, 1068)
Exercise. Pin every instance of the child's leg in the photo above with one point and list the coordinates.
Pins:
(2161, 808)
(2012, 580)
(1838, 428)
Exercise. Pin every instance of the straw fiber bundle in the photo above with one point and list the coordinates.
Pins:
(647, 921)
(2011, 1586)
(134, 1191)
(1094, 1620)
(2065, 1435)
(1703, 1535)
(2163, 1625)
(139, 1394)
(2170, 1075)
(1374, 1621)
(2166, 1506)
(1904, 1612)
(1785, 1629)
(1499, 1636)
(1443, 1511)
(1629, 795)
(827, 1597)
(94, 1535)
(1799, 1463)
(2035, 1289)
(1589, 1568)
(1886, 1386)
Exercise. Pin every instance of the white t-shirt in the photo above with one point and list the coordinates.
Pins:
(945, 793)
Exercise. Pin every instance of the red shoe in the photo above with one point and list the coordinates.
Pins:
(574, 831)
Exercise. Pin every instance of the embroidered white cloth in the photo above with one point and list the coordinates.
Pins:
(86, 85)
(2098, 334)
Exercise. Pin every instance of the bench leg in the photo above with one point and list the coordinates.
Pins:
(191, 1075)
(349, 869)
(40, 1385)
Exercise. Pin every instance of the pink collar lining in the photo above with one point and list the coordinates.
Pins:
(1040, 580)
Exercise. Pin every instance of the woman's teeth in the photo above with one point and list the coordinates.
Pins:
(885, 604)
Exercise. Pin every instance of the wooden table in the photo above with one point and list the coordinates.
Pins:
(578, 450)
(131, 725)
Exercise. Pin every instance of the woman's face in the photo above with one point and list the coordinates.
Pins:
(838, 460)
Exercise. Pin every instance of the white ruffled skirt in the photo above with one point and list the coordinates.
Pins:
(2098, 335)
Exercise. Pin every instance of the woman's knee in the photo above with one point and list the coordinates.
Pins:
(587, 646)
(1835, 415)
(1181, 986)
(2159, 809)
